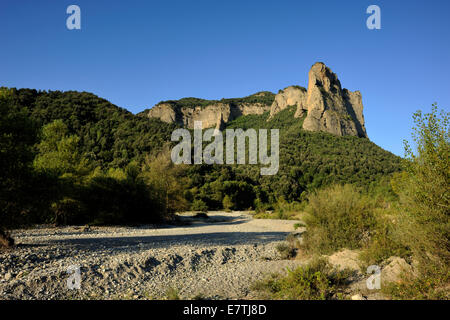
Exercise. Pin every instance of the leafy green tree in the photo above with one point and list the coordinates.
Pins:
(59, 152)
(227, 203)
(424, 192)
(17, 136)
(199, 205)
(167, 180)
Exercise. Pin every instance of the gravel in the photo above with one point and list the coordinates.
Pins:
(214, 258)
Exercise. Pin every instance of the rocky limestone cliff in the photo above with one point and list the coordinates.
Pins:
(327, 106)
(212, 114)
(290, 96)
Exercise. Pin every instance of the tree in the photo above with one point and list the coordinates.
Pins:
(167, 180)
(59, 152)
(227, 203)
(17, 136)
(424, 193)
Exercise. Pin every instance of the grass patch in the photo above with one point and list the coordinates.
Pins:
(422, 288)
(283, 210)
(172, 294)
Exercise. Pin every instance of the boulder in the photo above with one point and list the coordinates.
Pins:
(394, 269)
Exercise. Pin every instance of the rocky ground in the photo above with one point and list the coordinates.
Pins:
(216, 258)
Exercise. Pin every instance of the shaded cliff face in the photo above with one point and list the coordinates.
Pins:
(327, 106)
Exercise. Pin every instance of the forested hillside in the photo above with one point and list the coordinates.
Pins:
(109, 135)
(308, 161)
(94, 147)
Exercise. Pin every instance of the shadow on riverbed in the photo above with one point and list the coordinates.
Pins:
(137, 243)
(193, 221)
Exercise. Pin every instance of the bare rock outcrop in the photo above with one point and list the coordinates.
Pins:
(290, 96)
(330, 108)
(212, 115)
(327, 106)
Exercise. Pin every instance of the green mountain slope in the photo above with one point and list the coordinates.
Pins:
(112, 137)
(308, 160)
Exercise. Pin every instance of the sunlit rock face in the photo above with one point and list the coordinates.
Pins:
(327, 107)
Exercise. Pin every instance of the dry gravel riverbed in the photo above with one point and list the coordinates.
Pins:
(215, 258)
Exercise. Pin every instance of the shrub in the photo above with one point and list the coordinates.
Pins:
(286, 251)
(338, 217)
(386, 239)
(315, 281)
(199, 205)
(299, 225)
(227, 203)
(67, 211)
(422, 288)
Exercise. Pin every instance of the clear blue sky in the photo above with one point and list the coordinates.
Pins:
(136, 53)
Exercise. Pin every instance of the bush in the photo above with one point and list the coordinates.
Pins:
(227, 203)
(422, 288)
(199, 205)
(338, 217)
(385, 241)
(315, 281)
(286, 251)
(112, 201)
(67, 211)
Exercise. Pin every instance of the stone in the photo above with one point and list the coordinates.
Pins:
(345, 259)
(394, 269)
